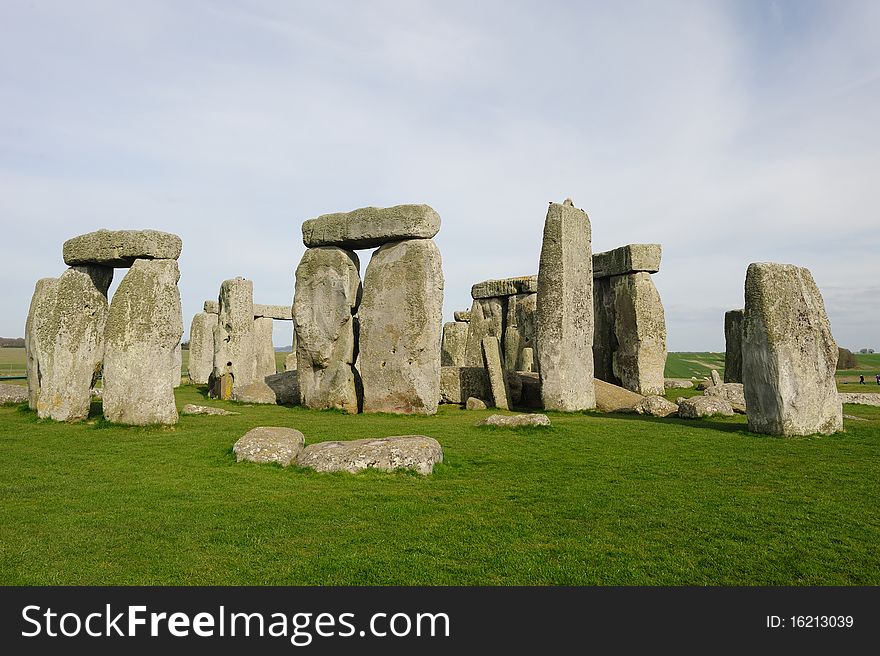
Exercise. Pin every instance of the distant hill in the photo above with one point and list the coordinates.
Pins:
(283, 349)
(11, 342)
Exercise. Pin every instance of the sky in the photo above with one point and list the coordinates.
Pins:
(730, 133)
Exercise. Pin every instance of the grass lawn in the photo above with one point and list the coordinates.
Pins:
(596, 499)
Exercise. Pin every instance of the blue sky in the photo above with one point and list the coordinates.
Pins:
(728, 132)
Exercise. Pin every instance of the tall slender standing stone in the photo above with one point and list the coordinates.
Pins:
(496, 370)
(328, 292)
(789, 354)
(234, 350)
(39, 315)
(69, 322)
(486, 318)
(201, 347)
(565, 310)
(264, 347)
(401, 318)
(733, 358)
(452, 349)
(144, 327)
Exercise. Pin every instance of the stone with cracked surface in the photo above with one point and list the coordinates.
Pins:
(411, 452)
(269, 444)
(120, 248)
(632, 258)
(369, 227)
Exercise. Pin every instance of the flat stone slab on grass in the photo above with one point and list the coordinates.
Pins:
(704, 406)
(515, 421)
(860, 399)
(369, 227)
(257, 392)
(191, 409)
(612, 398)
(415, 452)
(120, 248)
(269, 444)
(656, 406)
(13, 394)
(678, 383)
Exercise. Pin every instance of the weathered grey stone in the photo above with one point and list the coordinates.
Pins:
(415, 452)
(290, 361)
(733, 320)
(611, 398)
(269, 444)
(120, 248)
(328, 292)
(487, 318)
(35, 334)
(565, 311)
(257, 392)
(178, 365)
(286, 387)
(789, 354)
(234, 349)
(514, 387)
(462, 315)
(191, 409)
(629, 341)
(677, 383)
(459, 383)
(474, 403)
(212, 307)
(860, 399)
(401, 318)
(731, 392)
(520, 331)
(515, 421)
(67, 341)
(656, 406)
(144, 327)
(12, 394)
(526, 360)
(495, 368)
(703, 385)
(264, 349)
(278, 312)
(716, 377)
(632, 258)
(505, 287)
(201, 347)
(454, 343)
(369, 227)
(703, 406)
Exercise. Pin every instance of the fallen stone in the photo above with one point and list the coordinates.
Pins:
(412, 452)
(257, 392)
(487, 318)
(201, 347)
(264, 348)
(462, 315)
(369, 227)
(677, 383)
(789, 354)
(400, 319)
(285, 385)
(212, 307)
(144, 327)
(67, 343)
(731, 392)
(269, 444)
(515, 421)
(191, 409)
(656, 406)
(633, 258)
(328, 292)
(234, 349)
(860, 399)
(703, 406)
(278, 312)
(505, 287)
(733, 327)
(611, 398)
(13, 394)
(459, 383)
(565, 311)
(120, 248)
(474, 404)
(454, 342)
(495, 368)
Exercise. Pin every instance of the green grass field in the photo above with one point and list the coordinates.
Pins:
(596, 499)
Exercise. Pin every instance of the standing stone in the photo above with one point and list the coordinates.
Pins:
(201, 347)
(401, 319)
(526, 361)
(178, 364)
(234, 351)
(789, 354)
(144, 327)
(565, 311)
(520, 329)
(212, 307)
(35, 334)
(68, 340)
(733, 327)
(487, 318)
(264, 348)
(640, 330)
(454, 342)
(328, 291)
(495, 368)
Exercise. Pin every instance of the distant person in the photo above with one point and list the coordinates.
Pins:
(861, 380)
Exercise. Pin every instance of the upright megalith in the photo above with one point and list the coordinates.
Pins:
(201, 347)
(486, 319)
(67, 341)
(496, 370)
(325, 304)
(733, 358)
(565, 310)
(264, 349)
(400, 319)
(369, 227)
(120, 248)
(452, 350)
(234, 352)
(144, 327)
(520, 331)
(35, 335)
(789, 354)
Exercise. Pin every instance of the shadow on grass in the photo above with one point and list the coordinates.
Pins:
(719, 424)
